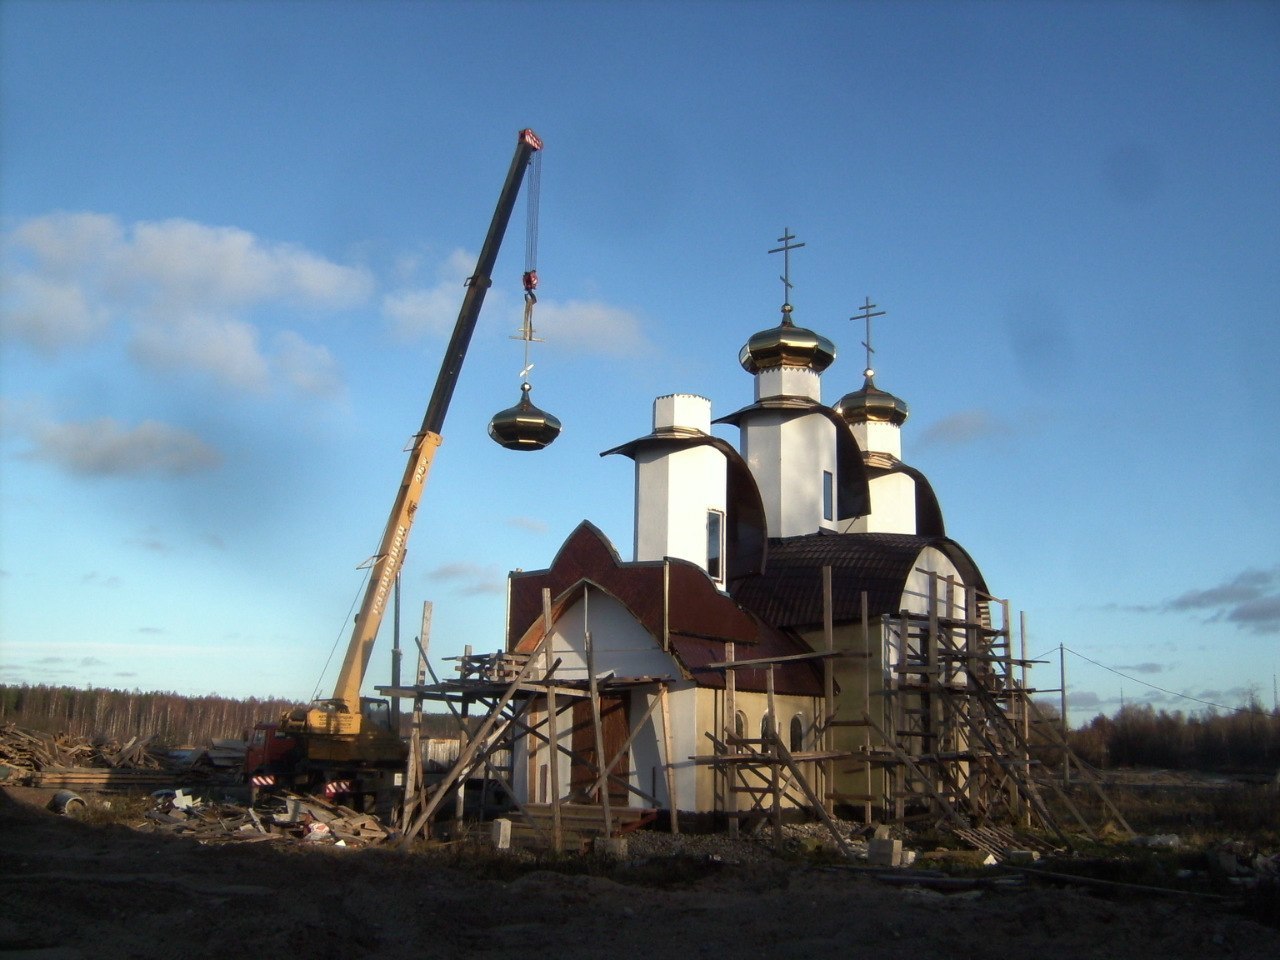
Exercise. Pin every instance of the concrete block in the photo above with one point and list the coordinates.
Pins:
(615, 848)
(501, 831)
(884, 852)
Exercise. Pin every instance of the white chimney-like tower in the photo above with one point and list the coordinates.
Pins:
(681, 489)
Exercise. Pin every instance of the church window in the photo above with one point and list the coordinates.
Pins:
(828, 495)
(797, 733)
(715, 545)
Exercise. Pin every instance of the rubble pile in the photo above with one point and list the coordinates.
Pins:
(284, 818)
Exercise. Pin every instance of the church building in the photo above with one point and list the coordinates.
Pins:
(770, 594)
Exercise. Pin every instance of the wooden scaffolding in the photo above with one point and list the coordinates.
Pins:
(957, 733)
(947, 728)
(493, 699)
(943, 732)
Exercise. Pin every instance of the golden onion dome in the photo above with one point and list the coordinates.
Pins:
(787, 345)
(524, 426)
(871, 404)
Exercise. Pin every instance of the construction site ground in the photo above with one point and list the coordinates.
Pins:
(72, 890)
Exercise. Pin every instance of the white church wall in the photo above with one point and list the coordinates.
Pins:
(620, 643)
(625, 648)
(893, 506)
(788, 382)
(675, 489)
(950, 600)
(788, 455)
(674, 492)
(879, 437)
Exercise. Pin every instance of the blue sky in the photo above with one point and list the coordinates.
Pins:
(234, 236)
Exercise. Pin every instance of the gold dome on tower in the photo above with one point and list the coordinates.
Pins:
(787, 345)
(872, 405)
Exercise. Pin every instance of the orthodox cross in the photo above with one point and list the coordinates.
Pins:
(866, 315)
(528, 335)
(785, 250)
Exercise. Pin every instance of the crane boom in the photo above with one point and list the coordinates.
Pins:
(341, 715)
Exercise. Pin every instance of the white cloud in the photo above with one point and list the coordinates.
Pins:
(528, 524)
(471, 578)
(591, 326)
(183, 290)
(965, 427)
(223, 348)
(1251, 600)
(307, 367)
(49, 314)
(430, 311)
(104, 447)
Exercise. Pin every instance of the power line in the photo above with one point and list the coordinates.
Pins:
(1172, 693)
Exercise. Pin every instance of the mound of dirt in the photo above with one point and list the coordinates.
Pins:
(71, 890)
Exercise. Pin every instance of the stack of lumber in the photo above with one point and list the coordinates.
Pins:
(37, 753)
(100, 778)
(24, 751)
(65, 761)
(579, 822)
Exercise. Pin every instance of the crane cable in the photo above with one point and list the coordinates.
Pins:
(533, 191)
(533, 194)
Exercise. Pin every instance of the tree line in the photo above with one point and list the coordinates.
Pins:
(1237, 741)
(170, 718)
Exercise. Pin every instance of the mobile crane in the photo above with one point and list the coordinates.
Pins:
(346, 744)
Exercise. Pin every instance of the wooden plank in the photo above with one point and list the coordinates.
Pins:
(770, 661)
(669, 757)
(557, 824)
(775, 771)
(595, 701)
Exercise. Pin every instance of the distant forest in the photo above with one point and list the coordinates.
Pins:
(169, 718)
(1246, 740)
(1238, 741)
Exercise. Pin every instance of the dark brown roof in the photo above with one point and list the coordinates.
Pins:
(701, 619)
(789, 593)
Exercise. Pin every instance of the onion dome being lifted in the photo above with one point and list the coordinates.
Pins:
(524, 426)
(787, 345)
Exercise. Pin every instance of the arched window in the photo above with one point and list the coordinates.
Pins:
(797, 733)
(766, 726)
(739, 729)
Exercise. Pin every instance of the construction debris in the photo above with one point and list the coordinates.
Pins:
(30, 752)
(64, 761)
(290, 818)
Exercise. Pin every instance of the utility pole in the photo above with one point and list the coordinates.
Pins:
(1062, 683)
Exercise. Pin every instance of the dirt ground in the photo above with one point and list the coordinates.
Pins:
(71, 890)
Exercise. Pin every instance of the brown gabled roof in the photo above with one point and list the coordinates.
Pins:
(789, 593)
(699, 619)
